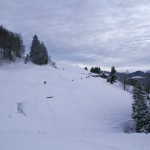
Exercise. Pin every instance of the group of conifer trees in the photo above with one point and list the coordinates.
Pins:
(11, 44)
(96, 70)
(38, 52)
(12, 47)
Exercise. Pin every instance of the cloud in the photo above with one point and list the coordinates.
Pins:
(104, 33)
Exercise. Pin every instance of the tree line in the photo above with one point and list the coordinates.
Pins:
(12, 47)
(96, 70)
(11, 44)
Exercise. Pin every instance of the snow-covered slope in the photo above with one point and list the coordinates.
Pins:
(70, 111)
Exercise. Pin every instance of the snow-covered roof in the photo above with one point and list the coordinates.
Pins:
(137, 77)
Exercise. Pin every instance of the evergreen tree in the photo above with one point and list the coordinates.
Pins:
(34, 50)
(19, 47)
(44, 54)
(92, 70)
(147, 84)
(141, 113)
(85, 68)
(38, 53)
(112, 76)
(146, 127)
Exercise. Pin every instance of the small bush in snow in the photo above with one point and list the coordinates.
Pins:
(129, 126)
(20, 108)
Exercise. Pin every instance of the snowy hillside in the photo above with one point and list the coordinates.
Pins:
(71, 111)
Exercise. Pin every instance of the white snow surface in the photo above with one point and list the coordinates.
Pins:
(69, 112)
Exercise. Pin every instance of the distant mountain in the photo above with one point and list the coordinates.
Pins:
(133, 74)
(137, 73)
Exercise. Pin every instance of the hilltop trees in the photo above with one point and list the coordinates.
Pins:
(96, 70)
(141, 113)
(11, 45)
(38, 52)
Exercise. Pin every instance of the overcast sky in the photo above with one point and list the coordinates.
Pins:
(85, 32)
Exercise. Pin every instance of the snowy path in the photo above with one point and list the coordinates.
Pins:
(85, 113)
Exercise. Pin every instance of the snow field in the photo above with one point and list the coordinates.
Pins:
(71, 111)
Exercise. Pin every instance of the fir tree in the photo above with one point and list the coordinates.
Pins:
(34, 50)
(44, 54)
(112, 77)
(85, 68)
(141, 113)
(38, 53)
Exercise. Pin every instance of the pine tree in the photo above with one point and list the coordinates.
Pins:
(146, 127)
(38, 53)
(112, 77)
(92, 70)
(34, 50)
(44, 54)
(19, 47)
(85, 68)
(141, 113)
